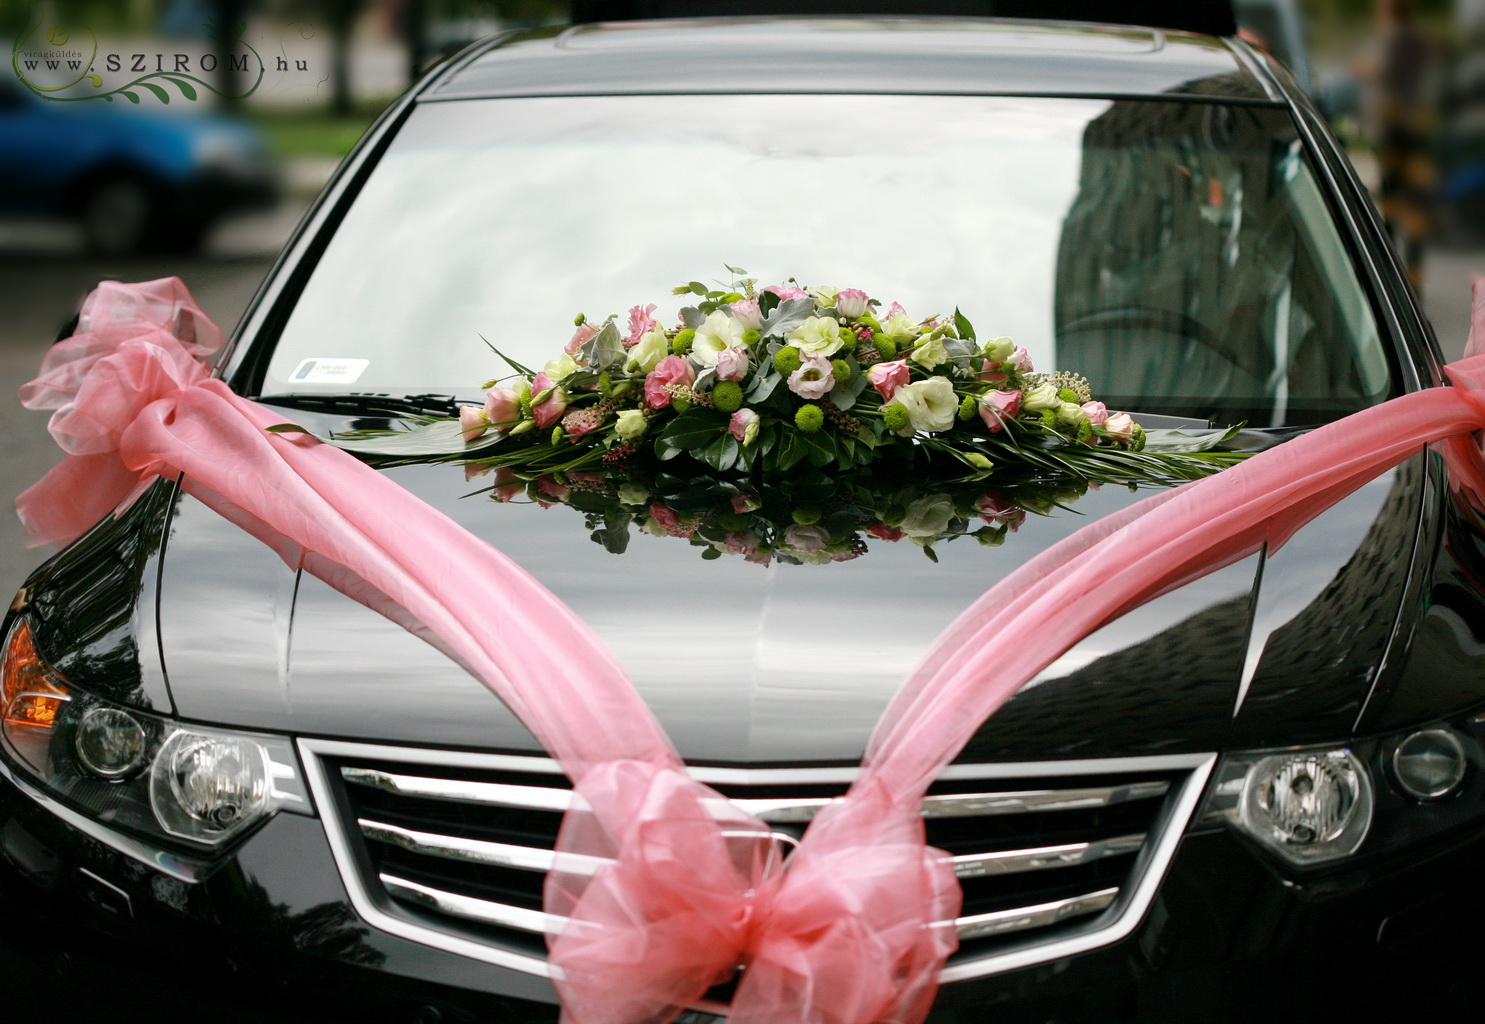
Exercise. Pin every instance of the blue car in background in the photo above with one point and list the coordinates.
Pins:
(133, 180)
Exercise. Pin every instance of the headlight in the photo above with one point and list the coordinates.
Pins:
(1308, 806)
(138, 772)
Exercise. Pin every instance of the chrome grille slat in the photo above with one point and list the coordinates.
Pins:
(777, 811)
(1003, 922)
(531, 858)
(1044, 858)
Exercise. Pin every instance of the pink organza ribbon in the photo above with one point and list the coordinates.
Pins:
(663, 888)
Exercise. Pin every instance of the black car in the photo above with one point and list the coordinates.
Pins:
(251, 790)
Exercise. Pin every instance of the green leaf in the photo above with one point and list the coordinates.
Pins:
(604, 349)
(697, 288)
(789, 451)
(691, 430)
(442, 437)
(1166, 442)
(789, 315)
(767, 302)
(131, 97)
(160, 94)
(734, 270)
(818, 447)
(963, 326)
(692, 318)
(720, 454)
(525, 371)
(185, 88)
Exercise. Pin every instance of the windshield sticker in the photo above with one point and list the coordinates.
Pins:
(329, 371)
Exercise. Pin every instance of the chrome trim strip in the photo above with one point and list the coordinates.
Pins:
(983, 865)
(762, 776)
(1129, 907)
(1134, 900)
(948, 805)
(492, 794)
(474, 851)
(470, 908)
(1003, 922)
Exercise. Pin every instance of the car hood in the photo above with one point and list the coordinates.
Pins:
(750, 664)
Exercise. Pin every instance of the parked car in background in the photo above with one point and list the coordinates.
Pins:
(133, 180)
(1257, 798)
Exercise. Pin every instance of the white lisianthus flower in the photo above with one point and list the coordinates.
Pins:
(717, 335)
(648, 351)
(805, 539)
(633, 493)
(1070, 414)
(931, 404)
(900, 325)
(631, 424)
(928, 517)
(824, 295)
(560, 366)
(1040, 398)
(930, 354)
(998, 350)
(817, 336)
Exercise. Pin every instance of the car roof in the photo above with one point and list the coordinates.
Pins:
(852, 55)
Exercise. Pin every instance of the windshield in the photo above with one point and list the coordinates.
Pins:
(1178, 254)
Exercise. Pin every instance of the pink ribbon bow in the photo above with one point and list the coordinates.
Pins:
(663, 888)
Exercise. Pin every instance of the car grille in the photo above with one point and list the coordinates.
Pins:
(457, 845)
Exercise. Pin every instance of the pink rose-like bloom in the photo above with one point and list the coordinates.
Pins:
(894, 310)
(992, 505)
(670, 370)
(995, 376)
(1119, 426)
(582, 421)
(583, 333)
(888, 377)
(732, 364)
(744, 542)
(885, 532)
(550, 488)
(502, 408)
(1020, 360)
(747, 314)
(813, 379)
(664, 516)
(1098, 413)
(472, 422)
(738, 427)
(996, 407)
(507, 486)
(807, 538)
(851, 302)
(744, 502)
(551, 408)
(786, 292)
(640, 323)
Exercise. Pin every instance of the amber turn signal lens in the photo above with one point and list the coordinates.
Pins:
(30, 693)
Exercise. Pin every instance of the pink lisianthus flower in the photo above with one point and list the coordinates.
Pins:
(888, 377)
(664, 516)
(548, 487)
(1098, 413)
(550, 409)
(851, 302)
(582, 421)
(885, 532)
(670, 370)
(785, 292)
(584, 331)
(732, 364)
(745, 502)
(640, 323)
(813, 378)
(507, 486)
(743, 542)
(992, 505)
(1020, 361)
(747, 314)
(472, 422)
(995, 376)
(807, 538)
(1119, 426)
(997, 407)
(502, 408)
(744, 427)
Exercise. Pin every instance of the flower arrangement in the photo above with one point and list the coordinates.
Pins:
(812, 519)
(762, 380)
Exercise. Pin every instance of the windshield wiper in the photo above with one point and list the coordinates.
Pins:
(370, 404)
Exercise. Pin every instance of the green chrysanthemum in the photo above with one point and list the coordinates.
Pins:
(727, 396)
(886, 347)
(786, 360)
(1137, 439)
(750, 338)
(968, 408)
(895, 416)
(810, 418)
(840, 370)
(681, 343)
(1069, 395)
(1049, 419)
(1085, 432)
(805, 516)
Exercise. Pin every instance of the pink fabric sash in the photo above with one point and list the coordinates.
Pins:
(662, 887)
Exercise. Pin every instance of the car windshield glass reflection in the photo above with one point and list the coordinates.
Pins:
(1177, 253)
